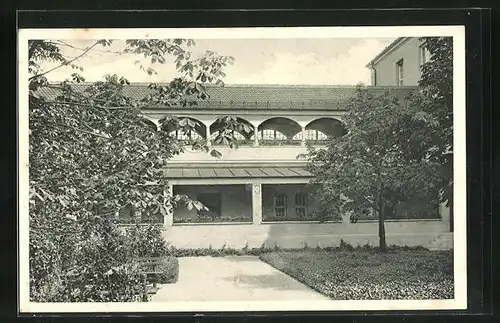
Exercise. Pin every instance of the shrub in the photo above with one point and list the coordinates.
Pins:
(146, 241)
(170, 268)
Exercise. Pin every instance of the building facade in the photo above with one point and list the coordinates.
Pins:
(258, 194)
(399, 64)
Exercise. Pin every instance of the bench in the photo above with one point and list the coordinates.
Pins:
(147, 267)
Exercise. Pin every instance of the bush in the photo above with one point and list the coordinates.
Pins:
(146, 241)
(170, 268)
(84, 262)
(222, 252)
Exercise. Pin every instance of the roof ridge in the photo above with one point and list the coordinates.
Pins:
(305, 86)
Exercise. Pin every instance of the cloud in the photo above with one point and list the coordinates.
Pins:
(312, 68)
(96, 66)
(316, 66)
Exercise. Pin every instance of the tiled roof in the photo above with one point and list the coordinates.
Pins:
(236, 172)
(260, 96)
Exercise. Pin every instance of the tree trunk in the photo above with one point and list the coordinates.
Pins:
(450, 205)
(381, 226)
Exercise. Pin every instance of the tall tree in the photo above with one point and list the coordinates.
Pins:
(92, 152)
(433, 104)
(372, 167)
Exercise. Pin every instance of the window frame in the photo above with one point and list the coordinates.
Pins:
(424, 56)
(303, 206)
(400, 72)
(283, 207)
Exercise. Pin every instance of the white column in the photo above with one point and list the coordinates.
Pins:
(303, 143)
(168, 220)
(444, 212)
(255, 135)
(257, 203)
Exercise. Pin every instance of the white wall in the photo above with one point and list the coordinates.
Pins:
(430, 234)
(386, 68)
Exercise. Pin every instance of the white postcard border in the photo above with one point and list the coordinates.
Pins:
(460, 196)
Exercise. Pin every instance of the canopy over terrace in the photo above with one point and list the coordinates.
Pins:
(239, 173)
(235, 190)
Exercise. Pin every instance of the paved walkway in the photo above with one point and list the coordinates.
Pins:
(235, 278)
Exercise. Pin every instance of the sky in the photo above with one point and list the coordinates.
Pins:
(308, 61)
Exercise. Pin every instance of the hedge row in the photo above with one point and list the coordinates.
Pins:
(246, 251)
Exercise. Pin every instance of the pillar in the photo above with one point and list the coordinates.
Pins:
(303, 143)
(207, 135)
(255, 136)
(168, 220)
(257, 203)
(444, 212)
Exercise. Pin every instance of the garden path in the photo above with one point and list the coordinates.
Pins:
(232, 278)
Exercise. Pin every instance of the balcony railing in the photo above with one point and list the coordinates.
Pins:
(279, 142)
(267, 142)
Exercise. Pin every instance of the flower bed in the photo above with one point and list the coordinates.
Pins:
(360, 274)
(273, 218)
(208, 219)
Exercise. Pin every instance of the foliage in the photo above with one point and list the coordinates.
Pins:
(145, 241)
(209, 219)
(372, 167)
(92, 152)
(433, 104)
(170, 268)
(398, 274)
(220, 252)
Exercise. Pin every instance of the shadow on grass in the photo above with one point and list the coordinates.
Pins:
(276, 281)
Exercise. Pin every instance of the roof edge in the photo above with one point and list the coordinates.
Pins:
(311, 86)
(388, 49)
(237, 164)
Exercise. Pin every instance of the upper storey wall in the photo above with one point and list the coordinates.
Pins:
(407, 52)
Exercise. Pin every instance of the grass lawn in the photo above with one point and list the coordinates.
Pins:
(347, 275)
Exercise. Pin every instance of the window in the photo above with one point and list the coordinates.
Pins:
(311, 135)
(321, 136)
(236, 135)
(374, 76)
(270, 134)
(399, 72)
(185, 135)
(213, 202)
(425, 55)
(267, 134)
(301, 205)
(280, 205)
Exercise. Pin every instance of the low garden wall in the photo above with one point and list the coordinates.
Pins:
(431, 234)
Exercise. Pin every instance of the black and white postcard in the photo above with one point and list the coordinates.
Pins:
(242, 169)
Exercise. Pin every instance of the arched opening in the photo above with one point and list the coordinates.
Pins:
(242, 130)
(189, 129)
(150, 123)
(329, 127)
(278, 130)
(311, 135)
